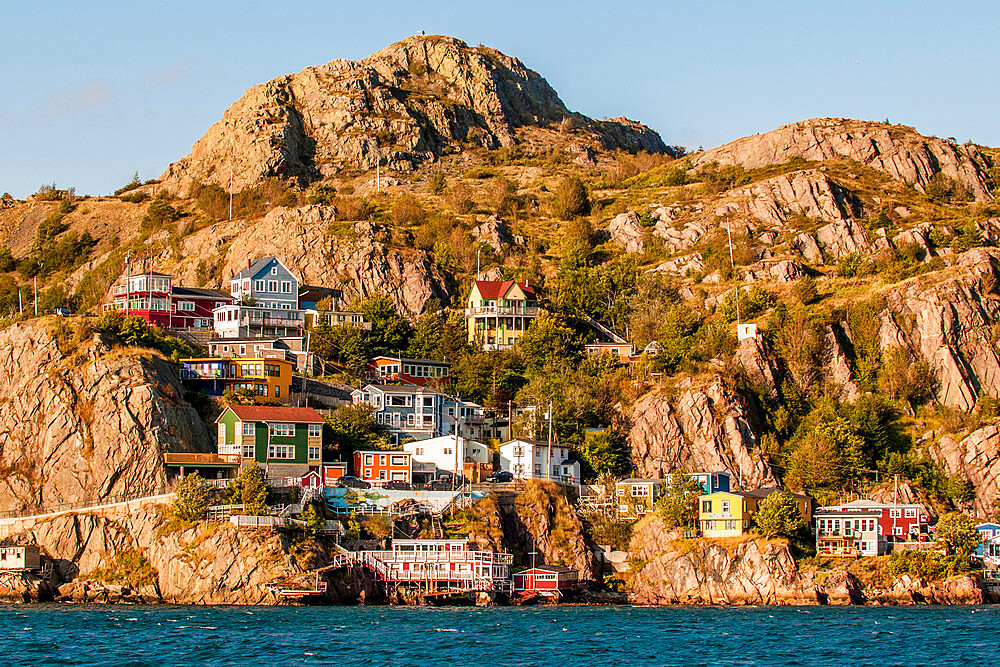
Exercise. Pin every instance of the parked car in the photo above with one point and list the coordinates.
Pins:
(396, 485)
(352, 482)
(61, 312)
(439, 484)
(500, 476)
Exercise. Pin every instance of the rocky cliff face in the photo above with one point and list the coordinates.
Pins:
(412, 101)
(947, 319)
(359, 263)
(81, 421)
(895, 150)
(698, 428)
(748, 570)
(976, 458)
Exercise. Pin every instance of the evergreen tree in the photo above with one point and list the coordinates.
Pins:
(191, 498)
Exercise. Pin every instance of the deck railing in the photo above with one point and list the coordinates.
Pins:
(198, 458)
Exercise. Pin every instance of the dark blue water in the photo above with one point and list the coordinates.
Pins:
(846, 637)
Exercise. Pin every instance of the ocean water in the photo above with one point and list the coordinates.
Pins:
(563, 636)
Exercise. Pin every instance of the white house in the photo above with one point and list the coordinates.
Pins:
(439, 452)
(530, 459)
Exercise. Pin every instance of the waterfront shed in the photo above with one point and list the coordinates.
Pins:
(546, 578)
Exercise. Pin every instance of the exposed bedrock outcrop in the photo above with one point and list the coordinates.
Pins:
(697, 428)
(414, 100)
(807, 193)
(82, 421)
(947, 318)
(626, 230)
(358, 262)
(896, 150)
(976, 458)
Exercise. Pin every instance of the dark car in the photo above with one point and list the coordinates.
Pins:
(396, 485)
(351, 482)
(439, 484)
(500, 476)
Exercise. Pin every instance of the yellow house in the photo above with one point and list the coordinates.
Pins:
(264, 377)
(498, 312)
(729, 513)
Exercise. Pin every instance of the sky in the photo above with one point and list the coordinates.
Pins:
(91, 92)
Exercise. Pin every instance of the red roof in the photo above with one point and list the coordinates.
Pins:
(495, 289)
(274, 413)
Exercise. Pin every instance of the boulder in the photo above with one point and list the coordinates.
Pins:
(684, 265)
(495, 233)
(806, 245)
(626, 230)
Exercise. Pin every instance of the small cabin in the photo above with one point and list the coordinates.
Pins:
(311, 480)
(333, 471)
(546, 578)
(744, 331)
(20, 558)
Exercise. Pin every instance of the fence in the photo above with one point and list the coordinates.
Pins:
(84, 504)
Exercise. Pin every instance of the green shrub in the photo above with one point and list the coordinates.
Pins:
(322, 194)
(804, 290)
(570, 199)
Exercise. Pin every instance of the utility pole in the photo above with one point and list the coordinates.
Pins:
(36, 296)
(454, 476)
(548, 464)
(732, 262)
(305, 374)
(230, 191)
(127, 280)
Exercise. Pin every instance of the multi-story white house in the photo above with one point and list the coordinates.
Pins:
(530, 459)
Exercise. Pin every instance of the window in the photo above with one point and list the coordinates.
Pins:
(725, 506)
(272, 286)
(538, 469)
(249, 428)
(732, 524)
(518, 451)
(518, 468)
(281, 452)
(186, 305)
(369, 459)
(419, 451)
(222, 432)
(638, 490)
(397, 460)
(274, 270)
(911, 513)
(381, 459)
(277, 391)
(313, 452)
(898, 530)
(286, 287)
(398, 401)
(258, 285)
(895, 513)
(447, 450)
(315, 431)
(282, 430)
(706, 506)
(248, 452)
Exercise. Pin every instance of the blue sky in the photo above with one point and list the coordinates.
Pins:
(91, 92)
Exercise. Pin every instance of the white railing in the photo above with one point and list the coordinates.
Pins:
(477, 311)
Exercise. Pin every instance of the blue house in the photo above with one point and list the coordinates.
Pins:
(269, 282)
(712, 482)
(988, 530)
(416, 413)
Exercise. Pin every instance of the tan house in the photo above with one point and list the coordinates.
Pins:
(730, 513)
(498, 312)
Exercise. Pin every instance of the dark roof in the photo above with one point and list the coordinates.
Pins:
(151, 274)
(203, 292)
(255, 267)
(765, 492)
(274, 413)
(495, 289)
(419, 361)
(557, 569)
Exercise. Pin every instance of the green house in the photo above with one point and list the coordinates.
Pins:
(286, 442)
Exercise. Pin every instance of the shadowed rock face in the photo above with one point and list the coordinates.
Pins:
(977, 459)
(410, 102)
(895, 150)
(86, 424)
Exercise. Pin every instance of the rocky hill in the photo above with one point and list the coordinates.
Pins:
(82, 421)
(411, 102)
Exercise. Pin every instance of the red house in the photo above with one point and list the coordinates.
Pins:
(154, 297)
(380, 466)
(896, 522)
(191, 307)
(407, 371)
(546, 578)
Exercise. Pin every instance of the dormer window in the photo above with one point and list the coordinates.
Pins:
(274, 270)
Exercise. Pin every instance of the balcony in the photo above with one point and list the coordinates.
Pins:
(212, 374)
(269, 321)
(489, 311)
(838, 551)
(196, 459)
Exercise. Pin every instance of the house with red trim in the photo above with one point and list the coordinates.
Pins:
(896, 522)
(419, 372)
(378, 467)
(546, 578)
(498, 312)
(156, 299)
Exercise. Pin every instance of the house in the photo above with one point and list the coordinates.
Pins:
(713, 481)
(382, 466)
(440, 453)
(156, 299)
(636, 497)
(25, 557)
(333, 471)
(267, 283)
(988, 530)
(498, 312)
(848, 532)
(531, 459)
(311, 296)
(897, 522)
(335, 318)
(408, 371)
(744, 331)
(623, 352)
(285, 441)
(290, 348)
(546, 578)
(417, 413)
(444, 564)
(242, 321)
(729, 513)
(264, 377)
